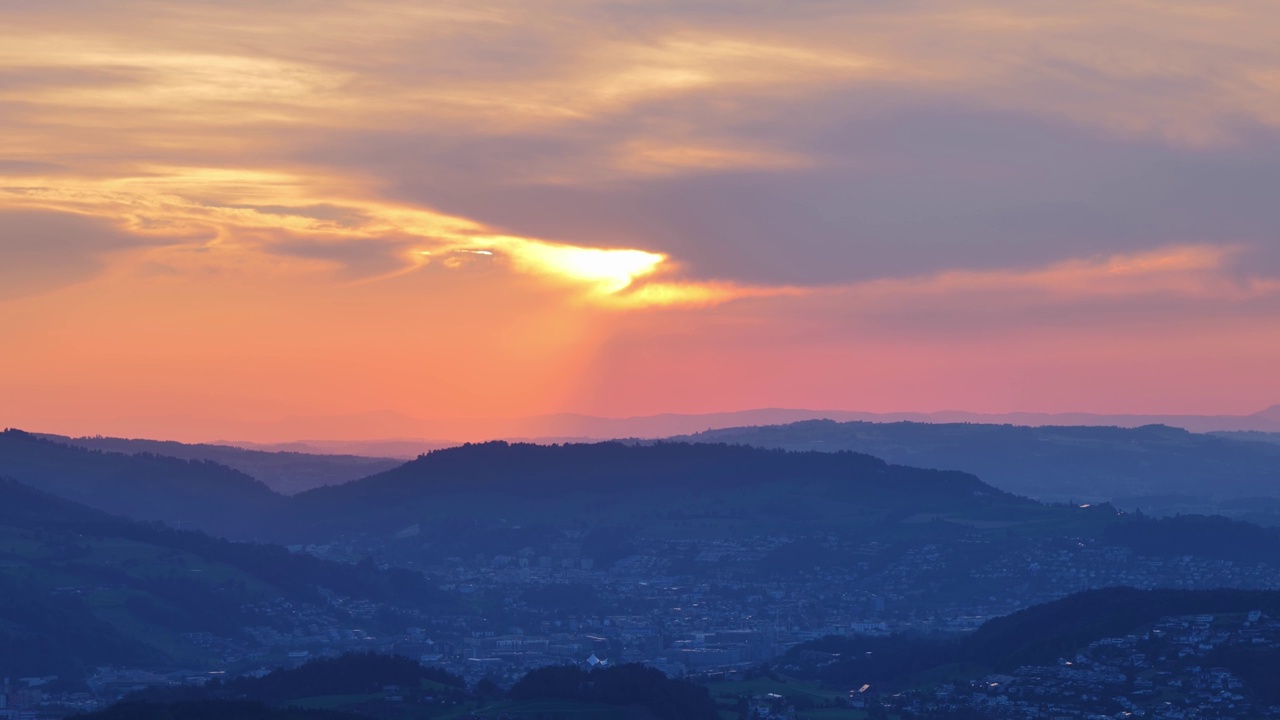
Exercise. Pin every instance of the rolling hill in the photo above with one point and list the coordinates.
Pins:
(182, 493)
(284, 472)
(458, 490)
(620, 485)
(80, 588)
(1036, 635)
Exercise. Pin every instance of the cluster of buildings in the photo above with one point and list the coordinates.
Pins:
(30, 699)
(717, 605)
(1169, 671)
(690, 606)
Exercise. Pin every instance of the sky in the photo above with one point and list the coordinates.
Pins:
(221, 216)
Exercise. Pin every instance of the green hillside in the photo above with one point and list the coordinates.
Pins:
(80, 588)
(664, 488)
(1037, 635)
(182, 493)
(397, 688)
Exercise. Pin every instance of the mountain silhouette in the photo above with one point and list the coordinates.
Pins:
(182, 493)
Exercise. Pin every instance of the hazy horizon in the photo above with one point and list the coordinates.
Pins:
(394, 429)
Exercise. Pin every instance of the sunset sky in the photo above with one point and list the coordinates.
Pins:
(214, 214)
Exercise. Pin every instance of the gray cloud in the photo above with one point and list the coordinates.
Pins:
(356, 258)
(1006, 168)
(23, 167)
(55, 77)
(920, 189)
(983, 317)
(339, 216)
(42, 251)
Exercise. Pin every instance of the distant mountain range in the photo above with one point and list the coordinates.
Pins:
(1155, 467)
(391, 434)
(585, 426)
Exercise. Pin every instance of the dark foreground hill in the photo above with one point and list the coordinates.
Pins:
(363, 684)
(284, 472)
(355, 674)
(1145, 466)
(211, 710)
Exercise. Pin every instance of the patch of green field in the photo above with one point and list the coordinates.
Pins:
(161, 639)
(546, 709)
(110, 570)
(1025, 520)
(148, 561)
(733, 689)
(697, 528)
(136, 559)
(434, 686)
(954, 673)
(569, 710)
(1229, 620)
(333, 702)
(842, 713)
(19, 543)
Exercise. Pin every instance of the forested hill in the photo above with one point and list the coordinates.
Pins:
(620, 483)
(352, 674)
(601, 484)
(1043, 633)
(284, 472)
(350, 681)
(181, 493)
(1037, 635)
(555, 470)
(80, 588)
(52, 519)
(1054, 463)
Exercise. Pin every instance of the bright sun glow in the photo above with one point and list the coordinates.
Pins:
(610, 271)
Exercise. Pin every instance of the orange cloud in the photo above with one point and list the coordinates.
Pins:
(248, 211)
(1185, 270)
